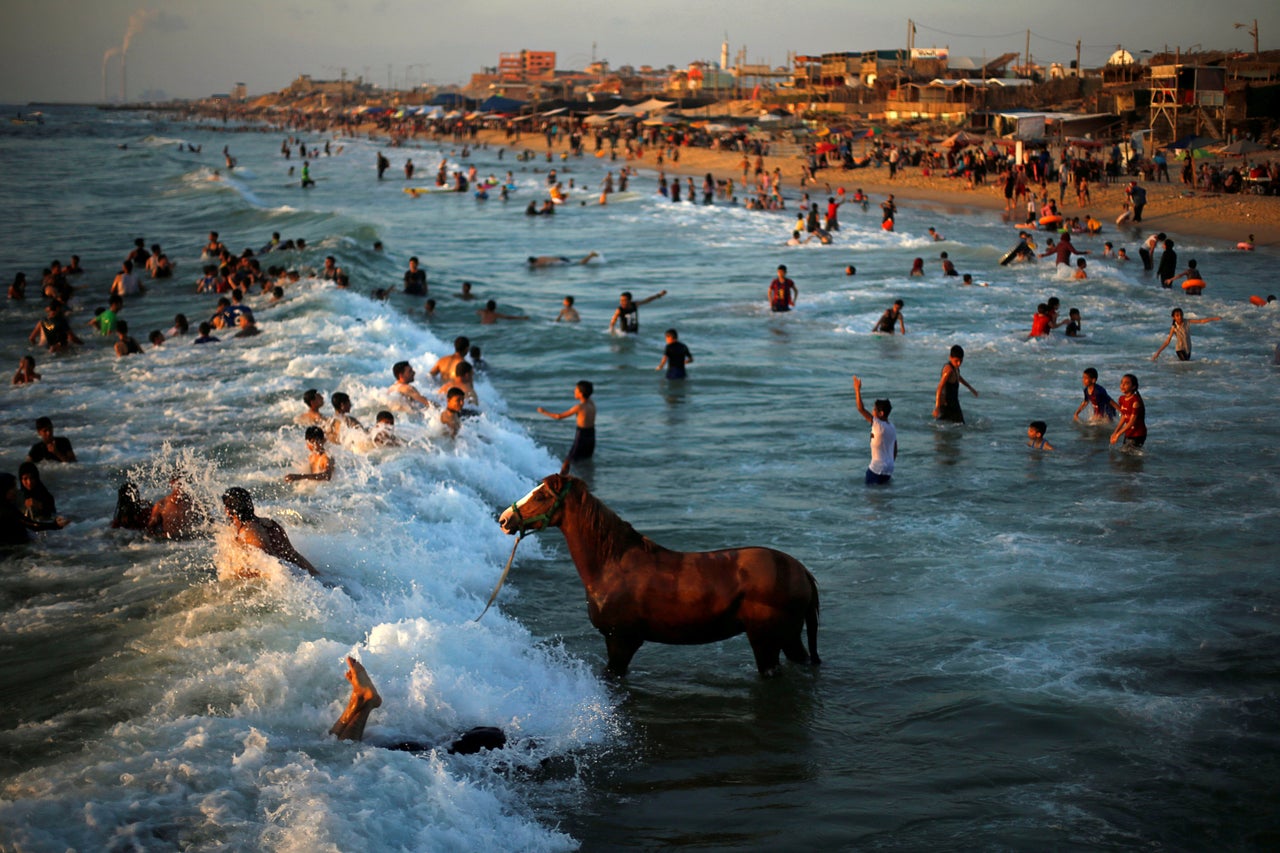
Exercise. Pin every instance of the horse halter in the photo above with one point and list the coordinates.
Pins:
(524, 524)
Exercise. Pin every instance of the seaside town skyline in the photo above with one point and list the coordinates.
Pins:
(184, 50)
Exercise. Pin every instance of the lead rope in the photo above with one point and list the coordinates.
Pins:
(502, 579)
(523, 532)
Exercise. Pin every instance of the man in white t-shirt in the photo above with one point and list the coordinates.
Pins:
(884, 438)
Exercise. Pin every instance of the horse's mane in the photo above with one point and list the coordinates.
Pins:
(615, 536)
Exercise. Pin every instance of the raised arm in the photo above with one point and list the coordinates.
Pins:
(648, 299)
(857, 399)
(577, 407)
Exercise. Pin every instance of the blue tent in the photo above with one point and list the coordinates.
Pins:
(452, 100)
(498, 104)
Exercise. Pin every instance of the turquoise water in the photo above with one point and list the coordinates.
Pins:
(1020, 649)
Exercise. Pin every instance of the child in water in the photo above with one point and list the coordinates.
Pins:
(319, 462)
(584, 438)
(1181, 329)
(1035, 436)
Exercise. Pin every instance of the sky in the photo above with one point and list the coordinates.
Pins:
(57, 50)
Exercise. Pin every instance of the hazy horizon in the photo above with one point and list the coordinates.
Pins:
(64, 50)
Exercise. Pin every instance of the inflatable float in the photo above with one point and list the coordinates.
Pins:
(1020, 252)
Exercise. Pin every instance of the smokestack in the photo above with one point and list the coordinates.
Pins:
(106, 58)
(124, 79)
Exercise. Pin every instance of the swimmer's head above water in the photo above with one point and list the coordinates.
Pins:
(239, 503)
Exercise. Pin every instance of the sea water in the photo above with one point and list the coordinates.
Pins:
(1072, 648)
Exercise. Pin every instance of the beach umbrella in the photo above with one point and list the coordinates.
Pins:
(960, 140)
(1191, 143)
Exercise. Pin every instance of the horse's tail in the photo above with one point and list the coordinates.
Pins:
(811, 619)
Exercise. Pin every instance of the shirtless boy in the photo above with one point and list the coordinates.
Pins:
(443, 370)
(319, 461)
(173, 516)
(490, 314)
(568, 314)
(314, 401)
(584, 438)
(403, 386)
(261, 533)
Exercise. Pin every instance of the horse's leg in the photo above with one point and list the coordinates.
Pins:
(622, 648)
(793, 648)
(766, 650)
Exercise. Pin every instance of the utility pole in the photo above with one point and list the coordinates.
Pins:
(1026, 63)
(1253, 31)
(1078, 69)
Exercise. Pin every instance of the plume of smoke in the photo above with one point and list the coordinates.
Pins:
(138, 22)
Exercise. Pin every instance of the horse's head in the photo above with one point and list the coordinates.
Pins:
(540, 508)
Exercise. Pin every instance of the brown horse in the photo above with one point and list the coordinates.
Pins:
(637, 590)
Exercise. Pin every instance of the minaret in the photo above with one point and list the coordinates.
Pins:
(724, 53)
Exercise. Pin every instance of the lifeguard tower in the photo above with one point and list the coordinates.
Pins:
(1188, 99)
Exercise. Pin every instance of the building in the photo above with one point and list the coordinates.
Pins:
(526, 66)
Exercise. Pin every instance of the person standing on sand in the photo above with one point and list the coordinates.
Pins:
(1137, 197)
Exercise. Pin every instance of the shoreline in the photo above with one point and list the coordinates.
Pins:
(1211, 217)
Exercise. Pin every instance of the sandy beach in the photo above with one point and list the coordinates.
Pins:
(1170, 206)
